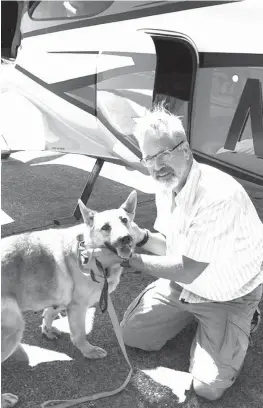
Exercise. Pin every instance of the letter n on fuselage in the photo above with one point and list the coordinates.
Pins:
(250, 103)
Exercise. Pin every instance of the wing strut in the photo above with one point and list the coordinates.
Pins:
(85, 193)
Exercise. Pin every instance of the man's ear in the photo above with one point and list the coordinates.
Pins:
(130, 204)
(87, 215)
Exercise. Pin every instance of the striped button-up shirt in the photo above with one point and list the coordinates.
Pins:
(213, 220)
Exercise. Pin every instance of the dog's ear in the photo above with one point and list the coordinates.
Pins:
(130, 204)
(87, 215)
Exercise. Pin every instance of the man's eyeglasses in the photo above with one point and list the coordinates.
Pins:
(163, 156)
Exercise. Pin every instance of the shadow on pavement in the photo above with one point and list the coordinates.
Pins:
(53, 191)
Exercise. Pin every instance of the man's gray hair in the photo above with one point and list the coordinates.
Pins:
(161, 121)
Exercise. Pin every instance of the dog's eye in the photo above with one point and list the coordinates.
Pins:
(124, 220)
(106, 227)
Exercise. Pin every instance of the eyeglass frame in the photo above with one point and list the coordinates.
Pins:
(144, 160)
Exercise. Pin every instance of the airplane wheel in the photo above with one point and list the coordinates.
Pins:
(5, 155)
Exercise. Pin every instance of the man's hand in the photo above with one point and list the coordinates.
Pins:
(127, 266)
(137, 232)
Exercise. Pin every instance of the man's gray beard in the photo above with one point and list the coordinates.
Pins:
(169, 185)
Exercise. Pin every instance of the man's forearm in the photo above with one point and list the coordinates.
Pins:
(185, 270)
(156, 243)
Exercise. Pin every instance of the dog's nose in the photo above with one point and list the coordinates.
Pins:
(126, 240)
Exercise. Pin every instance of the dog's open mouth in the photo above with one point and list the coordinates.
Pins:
(124, 251)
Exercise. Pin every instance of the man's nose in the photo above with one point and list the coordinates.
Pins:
(158, 163)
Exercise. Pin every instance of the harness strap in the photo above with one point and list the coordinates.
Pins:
(88, 262)
(104, 394)
(103, 302)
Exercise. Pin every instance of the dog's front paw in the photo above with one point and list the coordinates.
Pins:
(8, 400)
(93, 352)
(51, 333)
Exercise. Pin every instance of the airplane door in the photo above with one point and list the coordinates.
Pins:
(125, 83)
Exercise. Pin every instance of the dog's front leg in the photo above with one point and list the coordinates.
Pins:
(76, 318)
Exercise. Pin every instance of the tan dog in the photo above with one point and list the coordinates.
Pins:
(41, 270)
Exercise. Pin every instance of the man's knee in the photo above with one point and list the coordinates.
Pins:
(136, 338)
(131, 337)
(207, 391)
(126, 334)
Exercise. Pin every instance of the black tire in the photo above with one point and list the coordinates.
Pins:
(5, 155)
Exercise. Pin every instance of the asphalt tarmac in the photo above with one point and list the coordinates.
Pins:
(40, 187)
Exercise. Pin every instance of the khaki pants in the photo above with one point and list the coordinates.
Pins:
(222, 338)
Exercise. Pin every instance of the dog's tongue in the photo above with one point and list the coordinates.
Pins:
(124, 252)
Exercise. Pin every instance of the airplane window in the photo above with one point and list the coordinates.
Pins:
(218, 98)
(56, 10)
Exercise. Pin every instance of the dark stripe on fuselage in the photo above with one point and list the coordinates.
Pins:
(222, 59)
(128, 15)
(89, 109)
(88, 80)
(149, 3)
(58, 90)
(74, 52)
(75, 83)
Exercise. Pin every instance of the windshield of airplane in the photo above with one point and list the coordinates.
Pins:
(68, 9)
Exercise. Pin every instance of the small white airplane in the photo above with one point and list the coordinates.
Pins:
(85, 71)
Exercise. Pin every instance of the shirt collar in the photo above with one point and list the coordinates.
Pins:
(187, 195)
